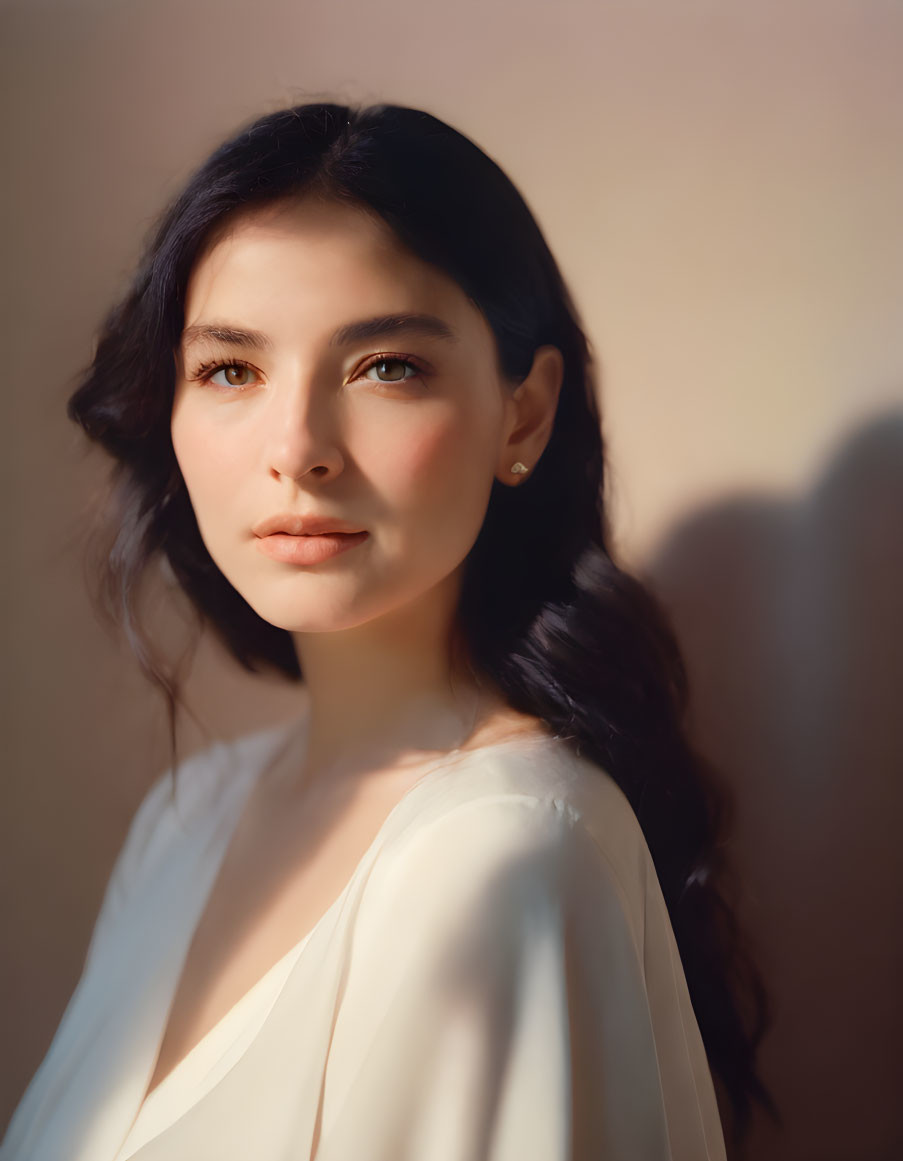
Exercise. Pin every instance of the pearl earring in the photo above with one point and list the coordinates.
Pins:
(519, 467)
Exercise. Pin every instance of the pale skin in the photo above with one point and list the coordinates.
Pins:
(407, 452)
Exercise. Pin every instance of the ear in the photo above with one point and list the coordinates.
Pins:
(531, 415)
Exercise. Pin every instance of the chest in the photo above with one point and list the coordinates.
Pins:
(282, 870)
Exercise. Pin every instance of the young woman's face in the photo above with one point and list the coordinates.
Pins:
(395, 432)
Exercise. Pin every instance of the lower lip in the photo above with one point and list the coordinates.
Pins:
(308, 549)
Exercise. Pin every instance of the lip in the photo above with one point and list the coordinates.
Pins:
(310, 548)
(294, 524)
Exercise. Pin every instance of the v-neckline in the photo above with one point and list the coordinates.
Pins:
(261, 985)
(286, 736)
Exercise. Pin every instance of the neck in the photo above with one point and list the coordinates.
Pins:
(388, 691)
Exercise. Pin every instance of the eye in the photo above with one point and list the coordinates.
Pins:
(234, 371)
(395, 364)
(237, 375)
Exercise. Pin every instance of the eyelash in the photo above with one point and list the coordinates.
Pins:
(205, 372)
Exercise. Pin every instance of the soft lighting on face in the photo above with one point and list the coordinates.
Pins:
(324, 370)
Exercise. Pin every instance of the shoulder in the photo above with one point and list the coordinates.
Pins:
(498, 836)
(184, 804)
(540, 794)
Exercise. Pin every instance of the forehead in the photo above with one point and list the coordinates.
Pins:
(316, 252)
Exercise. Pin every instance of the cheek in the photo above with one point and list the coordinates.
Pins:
(439, 472)
(417, 459)
(425, 453)
(207, 464)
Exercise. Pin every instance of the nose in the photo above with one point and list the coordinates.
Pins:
(303, 436)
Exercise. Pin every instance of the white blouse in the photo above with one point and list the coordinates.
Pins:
(498, 981)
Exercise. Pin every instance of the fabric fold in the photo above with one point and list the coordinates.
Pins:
(497, 981)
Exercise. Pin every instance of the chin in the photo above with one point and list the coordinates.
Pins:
(316, 601)
(308, 612)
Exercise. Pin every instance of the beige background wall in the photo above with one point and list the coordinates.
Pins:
(722, 184)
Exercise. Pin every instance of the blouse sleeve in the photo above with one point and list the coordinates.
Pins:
(495, 1005)
(169, 805)
(126, 869)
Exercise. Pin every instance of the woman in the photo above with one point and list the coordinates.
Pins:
(466, 904)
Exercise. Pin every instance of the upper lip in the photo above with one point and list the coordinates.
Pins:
(297, 525)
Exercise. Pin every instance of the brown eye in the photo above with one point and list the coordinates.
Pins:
(396, 373)
(234, 373)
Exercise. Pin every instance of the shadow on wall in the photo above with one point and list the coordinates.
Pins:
(790, 615)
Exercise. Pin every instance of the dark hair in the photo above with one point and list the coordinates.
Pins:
(545, 611)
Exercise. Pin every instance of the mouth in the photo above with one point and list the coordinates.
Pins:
(308, 548)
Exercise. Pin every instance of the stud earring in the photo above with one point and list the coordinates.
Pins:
(518, 468)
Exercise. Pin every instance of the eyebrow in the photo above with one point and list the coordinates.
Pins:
(427, 325)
